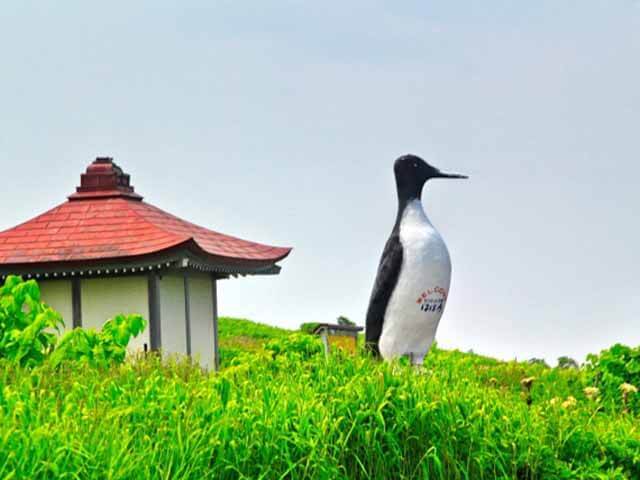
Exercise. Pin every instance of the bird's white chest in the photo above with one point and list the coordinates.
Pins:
(420, 295)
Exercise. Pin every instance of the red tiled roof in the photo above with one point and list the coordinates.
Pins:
(110, 221)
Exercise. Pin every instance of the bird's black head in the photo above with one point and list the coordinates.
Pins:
(412, 173)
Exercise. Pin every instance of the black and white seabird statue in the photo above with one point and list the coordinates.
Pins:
(412, 284)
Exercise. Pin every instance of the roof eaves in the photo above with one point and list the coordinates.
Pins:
(184, 255)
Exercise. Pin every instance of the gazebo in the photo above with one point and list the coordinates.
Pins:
(105, 251)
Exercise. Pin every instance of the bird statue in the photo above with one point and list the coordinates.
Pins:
(412, 283)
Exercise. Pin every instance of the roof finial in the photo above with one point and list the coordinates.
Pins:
(104, 178)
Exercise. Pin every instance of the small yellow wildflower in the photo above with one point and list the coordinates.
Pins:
(569, 402)
(554, 401)
(627, 388)
(527, 382)
(591, 392)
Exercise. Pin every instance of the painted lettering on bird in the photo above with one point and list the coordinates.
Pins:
(432, 299)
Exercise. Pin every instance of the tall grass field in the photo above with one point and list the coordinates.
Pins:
(279, 409)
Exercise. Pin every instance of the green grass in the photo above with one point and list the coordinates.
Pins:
(238, 336)
(231, 328)
(297, 415)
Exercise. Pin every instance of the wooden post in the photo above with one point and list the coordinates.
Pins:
(324, 335)
(214, 296)
(155, 337)
(187, 312)
(76, 302)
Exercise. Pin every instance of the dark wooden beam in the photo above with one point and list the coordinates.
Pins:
(187, 312)
(155, 337)
(76, 302)
(214, 296)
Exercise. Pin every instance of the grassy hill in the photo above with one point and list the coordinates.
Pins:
(237, 336)
(279, 409)
(231, 330)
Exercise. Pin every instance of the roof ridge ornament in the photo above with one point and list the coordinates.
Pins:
(104, 179)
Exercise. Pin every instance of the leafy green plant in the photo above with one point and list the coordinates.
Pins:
(27, 325)
(611, 369)
(296, 346)
(99, 349)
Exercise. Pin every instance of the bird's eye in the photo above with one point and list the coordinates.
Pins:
(415, 165)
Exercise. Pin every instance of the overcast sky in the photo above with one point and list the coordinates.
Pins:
(280, 121)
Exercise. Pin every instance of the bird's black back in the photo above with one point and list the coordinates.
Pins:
(386, 280)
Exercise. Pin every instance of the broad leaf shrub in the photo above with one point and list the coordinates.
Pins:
(611, 370)
(27, 325)
(99, 349)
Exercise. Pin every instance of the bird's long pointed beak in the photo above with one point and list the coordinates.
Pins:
(451, 175)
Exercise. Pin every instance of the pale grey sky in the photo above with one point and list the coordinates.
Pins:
(280, 121)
